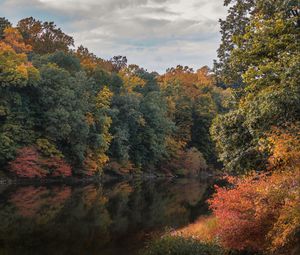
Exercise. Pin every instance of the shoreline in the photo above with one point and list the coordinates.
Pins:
(97, 179)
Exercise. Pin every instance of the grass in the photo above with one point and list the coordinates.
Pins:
(204, 230)
(177, 245)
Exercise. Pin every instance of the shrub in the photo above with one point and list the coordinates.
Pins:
(30, 164)
(260, 212)
(27, 164)
(57, 167)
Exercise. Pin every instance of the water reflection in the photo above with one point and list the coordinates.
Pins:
(94, 219)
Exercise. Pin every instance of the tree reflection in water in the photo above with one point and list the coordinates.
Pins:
(94, 219)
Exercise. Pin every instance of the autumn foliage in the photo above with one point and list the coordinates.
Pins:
(30, 164)
(260, 212)
(27, 164)
(15, 68)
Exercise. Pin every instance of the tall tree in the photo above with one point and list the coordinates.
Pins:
(17, 80)
(269, 53)
(238, 17)
(44, 37)
(118, 62)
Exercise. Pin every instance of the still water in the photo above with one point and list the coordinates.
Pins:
(108, 219)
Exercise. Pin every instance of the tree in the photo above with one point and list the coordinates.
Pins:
(240, 13)
(193, 101)
(118, 62)
(271, 94)
(17, 80)
(90, 62)
(140, 128)
(150, 141)
(44, 37)
(4, 23)
(12, 37)
(131, 80)
(96, 157)
(61, 107)
(235, 23)
(65, 60)
(126, 120)
(16, 70)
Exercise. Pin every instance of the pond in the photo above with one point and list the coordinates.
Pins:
(107, 219)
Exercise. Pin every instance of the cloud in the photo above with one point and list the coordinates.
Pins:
(155, 34)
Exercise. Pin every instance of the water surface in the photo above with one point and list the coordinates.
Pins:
(109, 219)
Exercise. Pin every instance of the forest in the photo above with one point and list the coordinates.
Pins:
(67, 113)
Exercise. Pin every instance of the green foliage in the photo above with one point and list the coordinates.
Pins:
(140, 123)
(269, 52)
(180, 246)
(240, 15)
(234, 24)
(16, 116)
(48, 149)
(65, 60)
(89, 111)
(193, 101)
(62, 107)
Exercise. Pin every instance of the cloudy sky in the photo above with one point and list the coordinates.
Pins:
(155, 34)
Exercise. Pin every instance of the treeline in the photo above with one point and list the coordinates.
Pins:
(258, 140)
(65, 111)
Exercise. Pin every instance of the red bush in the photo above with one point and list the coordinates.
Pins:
(260, 213)
(27, 164)
(30, 164)
(57, 167)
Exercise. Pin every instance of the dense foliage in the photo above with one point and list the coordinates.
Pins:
(68, 106)
(258, 139)
(268, 52)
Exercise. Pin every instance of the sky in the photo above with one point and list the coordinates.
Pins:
(154, 34)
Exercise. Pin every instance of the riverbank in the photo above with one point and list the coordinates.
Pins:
(4, 180)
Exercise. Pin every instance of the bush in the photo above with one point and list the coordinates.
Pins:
(30, 164)
(260, 212)
(174, 245)
(27, 164)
